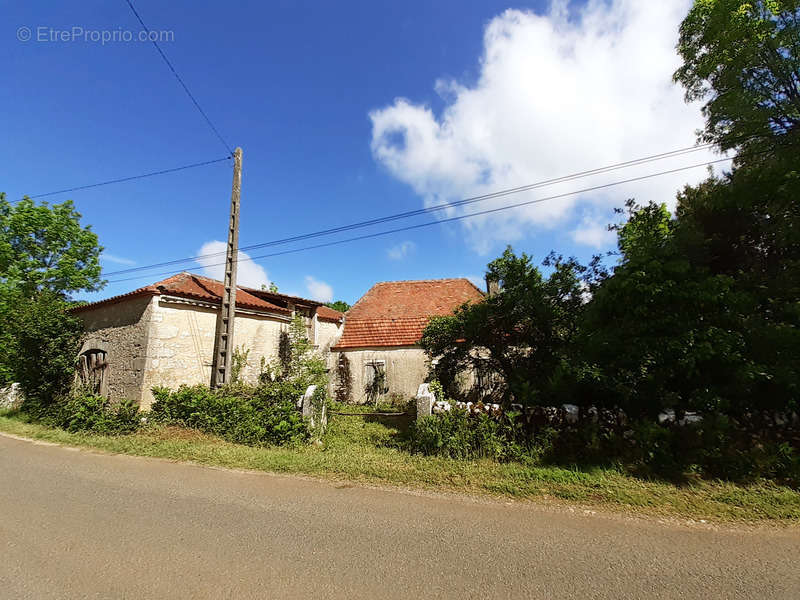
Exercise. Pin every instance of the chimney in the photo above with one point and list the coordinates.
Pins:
(492, 285)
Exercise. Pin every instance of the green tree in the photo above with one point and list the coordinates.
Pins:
(746, 227)
(339, 305)
(45, 247)
(661, 332)
(40, 342)
(524, 333)
(743, 58)
(45, 255)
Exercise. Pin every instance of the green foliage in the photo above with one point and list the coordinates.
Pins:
(297, 365)
(436, 389)
(45, 248)
(38, 345)
(524, 333)
(662, 330)
(297, 362)
(700, 314)
(95, 414)
(257, 416)
(238, 362)
(741, 56)
(715, 448)
(339, 305)
(458, 434)
(45, 254)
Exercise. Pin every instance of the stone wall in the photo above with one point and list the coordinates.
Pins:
(181, 344)
(121, 330)
(405, 369)
(326, 334)
(159, 341)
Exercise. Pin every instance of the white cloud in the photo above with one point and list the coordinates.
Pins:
(318, 290)
(592, 230)
(401, 250)
(248, 274)
(117, 259)
(557, 93)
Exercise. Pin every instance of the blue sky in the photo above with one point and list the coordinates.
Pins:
(345, 111)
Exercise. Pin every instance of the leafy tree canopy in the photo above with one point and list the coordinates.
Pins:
(45, 248)
(38, 345)
(522, 333)
(339, 305)
(660, 332)
(743, 58)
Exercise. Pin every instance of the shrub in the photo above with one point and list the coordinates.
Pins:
(297, 362)
(239, 362)
(435, 388)
(458, 434)
(261, 415)
(38, 345)
(95, 414)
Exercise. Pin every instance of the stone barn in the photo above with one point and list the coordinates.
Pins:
(382, 332)
(163, 334)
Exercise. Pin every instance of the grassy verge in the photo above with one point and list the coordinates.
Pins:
(363, 449)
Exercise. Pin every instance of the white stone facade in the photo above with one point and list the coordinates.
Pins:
(405, 368)
(168, 341)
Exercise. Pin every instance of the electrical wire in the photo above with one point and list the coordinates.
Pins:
(122, 179)
(451, 219)
(180, 80)
(428, 210)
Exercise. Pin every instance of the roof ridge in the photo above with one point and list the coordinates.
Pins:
(423, 280)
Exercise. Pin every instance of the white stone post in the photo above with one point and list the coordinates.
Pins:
(425, 400)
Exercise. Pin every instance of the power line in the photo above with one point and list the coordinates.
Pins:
(131, 178)
(180, 80)
(430, 209)
(453, 219)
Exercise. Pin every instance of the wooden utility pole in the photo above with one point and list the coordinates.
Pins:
(223, 338)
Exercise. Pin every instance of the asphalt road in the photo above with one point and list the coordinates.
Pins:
(78, 524)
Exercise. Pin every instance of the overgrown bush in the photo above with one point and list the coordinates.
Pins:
(253, 415)
(93, 413)
(713, 448)
(256, 415)
(297, 362)
(458, 434)
(38, 345)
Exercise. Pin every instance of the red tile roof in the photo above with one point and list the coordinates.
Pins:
(325, 313)
(394, 313)
(195, 287)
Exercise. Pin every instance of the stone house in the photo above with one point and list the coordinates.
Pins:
(163, 334)
(382, 331)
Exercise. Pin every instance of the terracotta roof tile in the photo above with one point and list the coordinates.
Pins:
(395, 313)
(196, 287)
(325, 313)
(188, 285)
